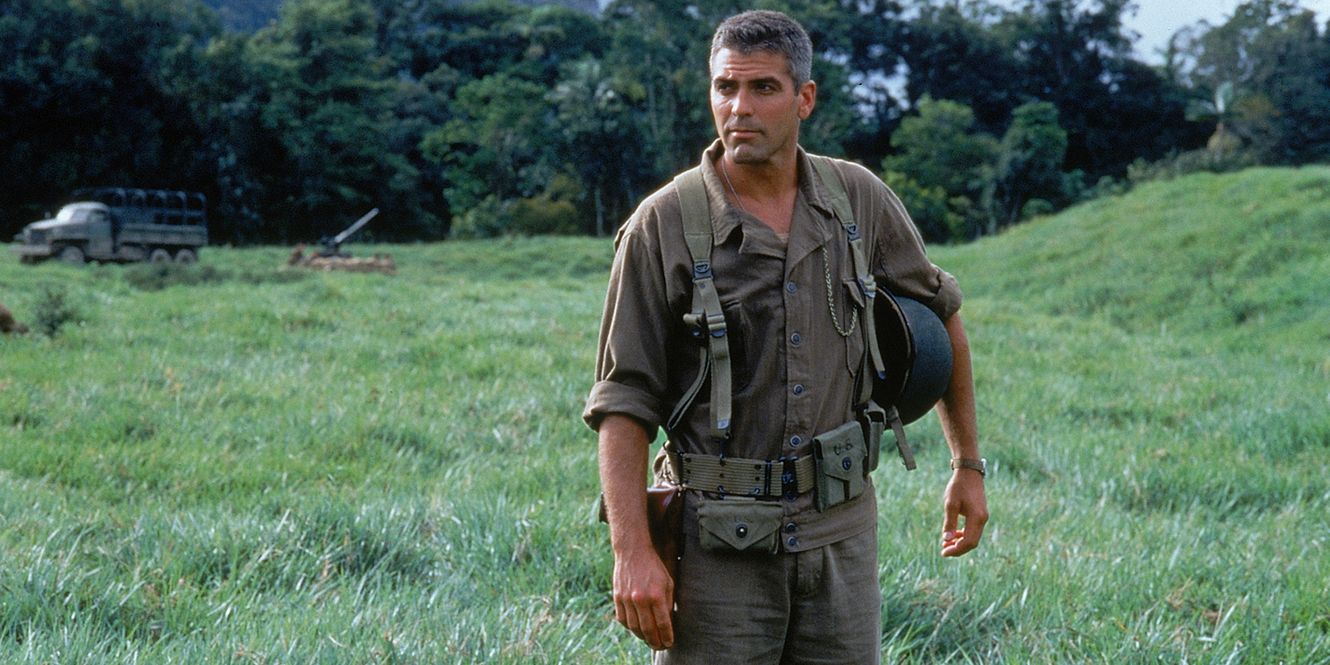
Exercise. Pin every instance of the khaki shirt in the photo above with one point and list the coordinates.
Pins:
(793, 374)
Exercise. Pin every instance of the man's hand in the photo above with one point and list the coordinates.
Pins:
(643, 590)
(964, 498)
(644, 597)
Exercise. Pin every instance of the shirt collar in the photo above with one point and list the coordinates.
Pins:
(725, 217)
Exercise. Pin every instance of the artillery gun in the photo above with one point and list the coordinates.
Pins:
(332, 247)
(331, 257)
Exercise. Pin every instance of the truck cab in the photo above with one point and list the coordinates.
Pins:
(116, 224)
(77, 226)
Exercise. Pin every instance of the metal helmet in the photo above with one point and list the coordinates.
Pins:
(916, 350)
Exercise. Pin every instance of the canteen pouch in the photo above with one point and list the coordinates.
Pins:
(840, 456)
(739, 525)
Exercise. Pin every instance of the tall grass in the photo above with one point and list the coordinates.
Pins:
(241, 463)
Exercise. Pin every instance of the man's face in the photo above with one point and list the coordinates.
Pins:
(755, 104)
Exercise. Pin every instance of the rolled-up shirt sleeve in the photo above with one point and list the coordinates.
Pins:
(631, 367)
(901, 260)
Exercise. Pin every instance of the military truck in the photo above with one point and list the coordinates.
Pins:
(119, 224)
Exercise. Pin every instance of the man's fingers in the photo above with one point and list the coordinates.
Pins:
(631, 620)
(654, 622)
(957, 544)
(963, 540)
(664, 626)
(950, 518)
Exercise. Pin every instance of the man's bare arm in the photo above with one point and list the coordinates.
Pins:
(643, 590)
(964, 496)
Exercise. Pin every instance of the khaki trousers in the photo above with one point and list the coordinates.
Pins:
(822, 606)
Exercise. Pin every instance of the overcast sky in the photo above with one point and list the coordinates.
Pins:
(1157, 20)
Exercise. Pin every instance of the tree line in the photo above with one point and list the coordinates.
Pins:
(489, 118)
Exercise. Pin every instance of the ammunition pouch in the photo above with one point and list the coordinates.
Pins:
(841, 459)
(739, 524)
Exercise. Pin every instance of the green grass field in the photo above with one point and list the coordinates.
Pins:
(239, 463)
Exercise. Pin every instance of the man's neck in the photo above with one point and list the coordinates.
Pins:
(774, 179)
(767, 190)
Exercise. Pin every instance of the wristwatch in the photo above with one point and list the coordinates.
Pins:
(980, 465)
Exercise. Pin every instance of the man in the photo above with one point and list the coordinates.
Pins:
(785, 276)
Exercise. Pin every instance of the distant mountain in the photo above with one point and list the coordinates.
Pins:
(250, 15)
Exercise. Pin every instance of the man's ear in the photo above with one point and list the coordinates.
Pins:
(807, 98)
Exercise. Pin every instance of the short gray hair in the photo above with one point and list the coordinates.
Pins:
(763, 30)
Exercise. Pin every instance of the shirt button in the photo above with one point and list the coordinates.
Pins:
(791, 527)
(798, 389)
(791, 495)
(792, 542)
(796, 440)
(791, 287)
(796, 339)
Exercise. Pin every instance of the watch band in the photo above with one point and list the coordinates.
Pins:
(980, 465)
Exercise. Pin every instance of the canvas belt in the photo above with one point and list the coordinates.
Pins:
(761, 479)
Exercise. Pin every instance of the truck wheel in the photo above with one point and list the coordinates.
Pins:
(159, 255)
(72, 254)
(186, 256)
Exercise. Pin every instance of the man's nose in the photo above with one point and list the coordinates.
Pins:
(742, 103)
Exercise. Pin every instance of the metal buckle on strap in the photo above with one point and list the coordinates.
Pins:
(789, 480)
(875, 415)
(706, 323)
(868, 286)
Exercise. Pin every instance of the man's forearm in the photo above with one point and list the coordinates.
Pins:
(623, 463)
(957, 409)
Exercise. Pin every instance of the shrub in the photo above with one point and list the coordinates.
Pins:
(1191, 161)
(54, 311)
(1036, 207)
(487, 219)
(543, 216)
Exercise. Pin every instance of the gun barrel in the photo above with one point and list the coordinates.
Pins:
(355, 227)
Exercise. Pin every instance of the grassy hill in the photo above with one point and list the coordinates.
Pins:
(1240, 258)
(239, 462)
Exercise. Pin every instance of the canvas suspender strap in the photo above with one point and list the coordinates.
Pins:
(875, 417)
(707, 319)
(840, 204)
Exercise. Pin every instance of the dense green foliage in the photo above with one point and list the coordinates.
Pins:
(488, 118)
(237, 462)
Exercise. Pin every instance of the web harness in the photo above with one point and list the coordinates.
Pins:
(706, 322)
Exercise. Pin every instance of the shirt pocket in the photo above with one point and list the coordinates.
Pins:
(737, 333)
